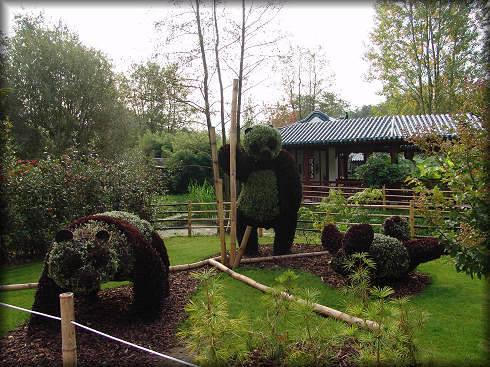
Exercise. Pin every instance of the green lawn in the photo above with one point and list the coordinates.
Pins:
(453, 335)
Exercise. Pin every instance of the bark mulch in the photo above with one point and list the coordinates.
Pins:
(111, 315)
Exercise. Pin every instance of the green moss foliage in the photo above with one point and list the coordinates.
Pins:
(259, 198)
(391, 257)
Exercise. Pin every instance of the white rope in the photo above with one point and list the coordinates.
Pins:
(30, 311)
(103, 334)
(132, 345)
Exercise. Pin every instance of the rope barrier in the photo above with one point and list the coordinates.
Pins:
(104, 335)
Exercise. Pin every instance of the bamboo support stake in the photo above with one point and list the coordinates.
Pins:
(384, 197)
(189, 219)
(17, 287)
(412, 220)
(243, 245)
(233, 140)
(261, 232)
(324, 310)
(68, 338)
(224, 259)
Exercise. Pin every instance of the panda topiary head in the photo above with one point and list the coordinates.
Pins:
(262, 142)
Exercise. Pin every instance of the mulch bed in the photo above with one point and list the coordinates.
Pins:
(112, 316)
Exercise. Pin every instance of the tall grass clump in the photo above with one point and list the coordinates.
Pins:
(203, 193)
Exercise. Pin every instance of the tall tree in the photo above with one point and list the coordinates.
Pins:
(424, 52)
(64, 93)
(157, 95)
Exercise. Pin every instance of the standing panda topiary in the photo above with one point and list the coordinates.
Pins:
(112, 246)
(271, 191)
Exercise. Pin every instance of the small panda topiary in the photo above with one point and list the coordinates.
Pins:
(271, 190)
(397, 227)
(112, 246)
(391, 258)
(332, 238)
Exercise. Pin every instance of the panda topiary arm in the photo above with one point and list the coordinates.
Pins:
(243, 162)
(289, 182)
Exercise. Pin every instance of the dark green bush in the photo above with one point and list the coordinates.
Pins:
(338, 261)
(332, 238)
(423, 250)
(358, 238)
(378, 171)
(391, 258)
(46, 195)
(397, 227)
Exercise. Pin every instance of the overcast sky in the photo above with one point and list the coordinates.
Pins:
(125, 32)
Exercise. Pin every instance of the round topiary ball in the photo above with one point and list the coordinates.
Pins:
(397, 227)
(332, 238)
(391, 258)
(358, 238)
(338, 261)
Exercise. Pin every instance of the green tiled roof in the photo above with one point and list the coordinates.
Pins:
(315, 129)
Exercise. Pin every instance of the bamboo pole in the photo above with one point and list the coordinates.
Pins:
(68, 338)
(199, 264)
(324, 310)
(412, 220)
(189, 219)
(221, 219)
(384, 197)
(243, 245)
(233, 140)
(261, 231)
(17, 287)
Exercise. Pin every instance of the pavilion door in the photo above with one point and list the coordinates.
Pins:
(311, 167)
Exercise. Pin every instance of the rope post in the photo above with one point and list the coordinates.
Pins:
(68, 339)
(189, 218)
(384, 197)
(412, 220)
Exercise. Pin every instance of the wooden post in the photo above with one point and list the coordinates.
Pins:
(260, 230)
(243, 245)
(233, 140)
(412, 220)
(219, 197)
(189, 219)
(68, 338)
(384, 197)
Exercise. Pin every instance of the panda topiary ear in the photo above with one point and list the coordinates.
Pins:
(102, 236)
(247, 130)
(64, 235)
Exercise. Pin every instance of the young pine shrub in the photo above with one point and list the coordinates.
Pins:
(391, 258)
(358, 238)
(423, 250)
(397, 227)
(332, 238)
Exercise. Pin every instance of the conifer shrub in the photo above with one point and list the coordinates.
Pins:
(332, 238)
(397, 227)
(423, 250)
(358, 238)
(391, 258)
(338, 262)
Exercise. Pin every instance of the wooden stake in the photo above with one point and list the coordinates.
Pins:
(224, 259)
(16, 287)
(260, 230)
(412, 220)
(233, 139)
(324, 310)
(243, 245)
(384, 197)
(68, 338)
(189, 219)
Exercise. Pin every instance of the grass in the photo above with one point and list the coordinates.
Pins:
(453, 335)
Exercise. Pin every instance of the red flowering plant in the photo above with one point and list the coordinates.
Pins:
(47, 194)
(458, 206)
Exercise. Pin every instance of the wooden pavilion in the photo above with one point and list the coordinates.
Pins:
(328, 149)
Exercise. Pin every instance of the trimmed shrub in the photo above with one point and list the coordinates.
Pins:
(397, 227)
(391, 257)
(358, 238)
(332, 238)
(338, 261)
(423, 250)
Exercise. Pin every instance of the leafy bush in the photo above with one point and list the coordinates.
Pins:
(397, 227)
(358, 238)
(46, 195)
(423, 250)
(378, 171)
(332, 238)
(391, 258)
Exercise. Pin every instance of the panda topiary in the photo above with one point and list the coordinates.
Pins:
(271, 189)
(112, 246)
